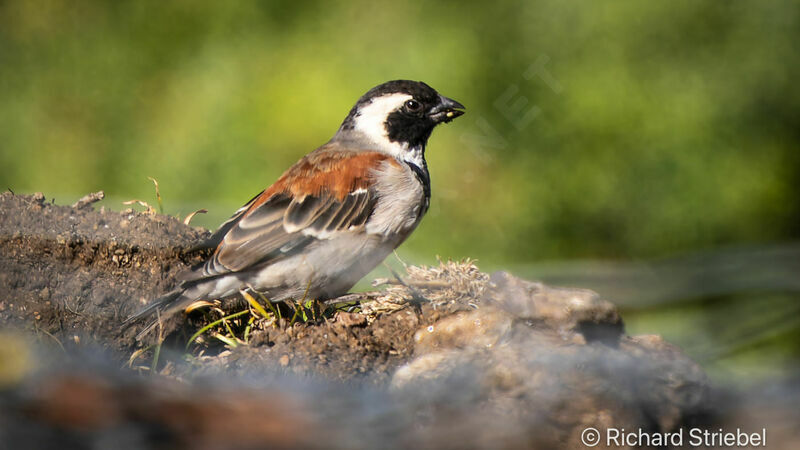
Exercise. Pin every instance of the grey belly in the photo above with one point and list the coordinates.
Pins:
(325, 269)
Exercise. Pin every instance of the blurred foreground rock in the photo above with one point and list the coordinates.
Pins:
(543, 364)
(449, 358)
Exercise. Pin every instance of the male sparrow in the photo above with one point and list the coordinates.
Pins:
(335, 214)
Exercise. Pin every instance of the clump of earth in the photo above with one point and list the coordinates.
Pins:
(444, 356)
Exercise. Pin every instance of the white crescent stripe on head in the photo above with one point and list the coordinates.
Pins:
(371, 120)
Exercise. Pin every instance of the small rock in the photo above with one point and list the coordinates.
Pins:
(351, 319)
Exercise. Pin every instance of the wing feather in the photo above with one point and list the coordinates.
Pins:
(324, 193)
(304, 212)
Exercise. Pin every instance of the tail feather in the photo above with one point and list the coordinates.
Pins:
(174, 301)
(163, 306)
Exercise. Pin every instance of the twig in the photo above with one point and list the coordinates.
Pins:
(158, 196)
(52, 337)
(191, 215)
(157, 351)
(416, 295)
(349, 298)
(88, 199)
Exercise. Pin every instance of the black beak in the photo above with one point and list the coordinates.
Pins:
(447, 110)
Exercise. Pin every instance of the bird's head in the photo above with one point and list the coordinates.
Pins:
(398, 117)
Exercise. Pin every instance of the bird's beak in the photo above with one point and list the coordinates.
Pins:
(447, 110)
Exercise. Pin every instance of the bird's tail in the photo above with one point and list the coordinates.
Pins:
(161, 307)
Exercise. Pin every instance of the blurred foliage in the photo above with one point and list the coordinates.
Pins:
(661, 127)
(16, 358)
(618, 130)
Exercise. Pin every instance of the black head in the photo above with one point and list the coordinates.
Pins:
(401, 111)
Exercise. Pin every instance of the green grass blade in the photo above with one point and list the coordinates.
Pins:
(213, 324)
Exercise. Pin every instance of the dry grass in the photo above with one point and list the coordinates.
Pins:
(447, 283)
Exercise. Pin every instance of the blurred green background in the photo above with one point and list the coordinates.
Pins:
(616, 145)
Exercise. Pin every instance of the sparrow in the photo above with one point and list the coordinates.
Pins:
(331, 217)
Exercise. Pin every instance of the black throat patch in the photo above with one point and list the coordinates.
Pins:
(424, 177)
(412, 129)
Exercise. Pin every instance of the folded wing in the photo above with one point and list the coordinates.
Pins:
(325, 193)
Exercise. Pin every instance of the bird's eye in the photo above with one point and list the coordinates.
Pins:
(413, 105)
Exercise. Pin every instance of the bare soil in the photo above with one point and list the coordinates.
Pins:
(73, 276)
(450, 358)
(76, 274)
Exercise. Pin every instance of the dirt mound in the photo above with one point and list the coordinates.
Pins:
(76, 273)
(496, 361)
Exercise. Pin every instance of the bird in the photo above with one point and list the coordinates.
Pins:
(332, 216)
